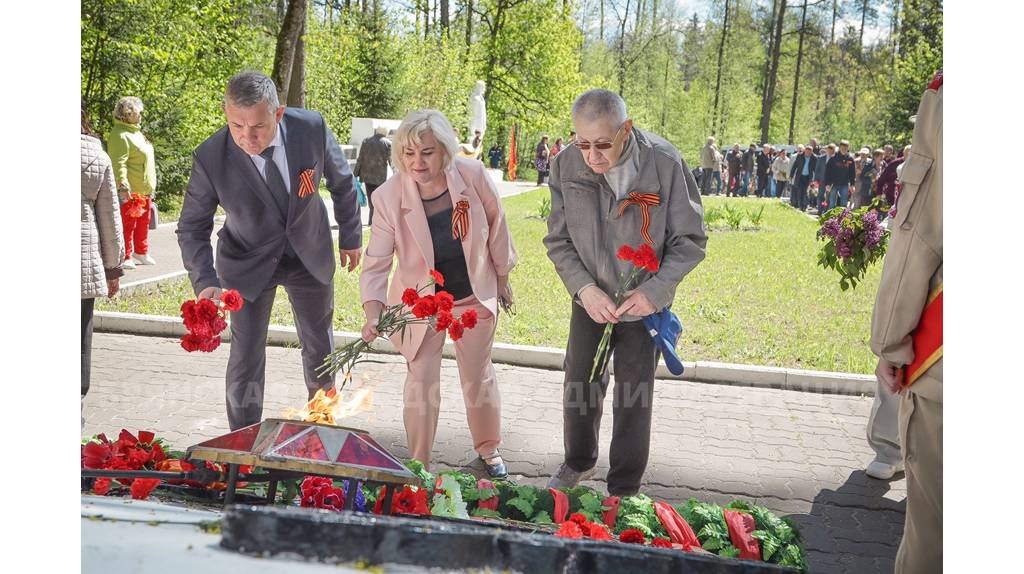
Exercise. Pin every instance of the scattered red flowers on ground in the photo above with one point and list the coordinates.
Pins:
(141, 487)
(320, 492)
(661, 543)
(598, 531)
(205, 320)
(101, 485)
(569, 529)
(632, 536)
(409, 501)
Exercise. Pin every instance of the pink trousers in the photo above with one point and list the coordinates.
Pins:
(422, 393)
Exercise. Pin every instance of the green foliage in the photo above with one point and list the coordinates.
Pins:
(733, 217)
(416, 467)
(708, 523)
(854, 267)
(712, 215)
(756, 217)
(544, 209)
(542, 517)
(176, 56)
(591, 506)
(638, 512)
(449, 503)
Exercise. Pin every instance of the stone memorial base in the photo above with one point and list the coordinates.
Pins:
(346, 537)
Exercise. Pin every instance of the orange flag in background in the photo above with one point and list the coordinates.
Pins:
(512, 156)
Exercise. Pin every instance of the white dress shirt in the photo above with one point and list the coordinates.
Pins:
(280, 158)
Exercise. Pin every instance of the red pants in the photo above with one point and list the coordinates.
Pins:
(136, 230)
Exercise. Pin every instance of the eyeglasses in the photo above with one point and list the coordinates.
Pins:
(585, 146)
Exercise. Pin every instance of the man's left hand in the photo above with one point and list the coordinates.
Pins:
(350, 257)
(636, 304)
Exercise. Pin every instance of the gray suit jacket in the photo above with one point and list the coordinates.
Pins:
(585, 229)
(252, 240)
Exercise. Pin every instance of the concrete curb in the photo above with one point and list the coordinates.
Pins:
(823, 382)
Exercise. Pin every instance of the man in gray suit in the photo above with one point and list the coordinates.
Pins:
(264, 169)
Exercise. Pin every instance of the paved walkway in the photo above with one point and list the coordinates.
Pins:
(800, 454)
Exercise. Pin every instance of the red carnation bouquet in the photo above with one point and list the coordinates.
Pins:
(205, 319)
(415, 308)
(643, 259)
(136, 206)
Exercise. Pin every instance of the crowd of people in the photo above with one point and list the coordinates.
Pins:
(814, 177)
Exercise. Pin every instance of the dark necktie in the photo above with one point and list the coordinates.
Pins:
(278, 190)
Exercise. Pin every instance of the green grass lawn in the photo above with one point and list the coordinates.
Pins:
(758, 298)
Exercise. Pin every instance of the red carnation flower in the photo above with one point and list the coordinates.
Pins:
(209, 345)
(598, 531)
(410, 296)
(425, 307)
(626, 253)
(217, 325)
(333, 498)
(95, 455)
(410, 502)
(231, 299)
(206, 310)
(469, 318)
(578, 518)
(378, 507)
(569, 529)
(191, 342)
(437, 277)
(146, 437)
(141, 487)
(632, 536)
(660, 542)
(444, 320)
(101, 485)
(646, 258)
(455, 330)
(445, 301)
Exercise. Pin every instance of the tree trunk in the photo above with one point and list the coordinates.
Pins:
(445, 31)
(601, 27)
(469, 26)
(297, 85)
(426, 19)
(718, 74)
(796, 76)
(773, 74)
(287, 44)
(768, 54)
(622, 51)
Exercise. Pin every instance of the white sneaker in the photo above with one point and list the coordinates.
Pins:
(128, 264)
(883, 470)
(143, 259)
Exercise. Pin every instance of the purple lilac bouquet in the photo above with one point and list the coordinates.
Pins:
(854, 239)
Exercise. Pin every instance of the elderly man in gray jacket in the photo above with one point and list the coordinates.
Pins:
(616, 185)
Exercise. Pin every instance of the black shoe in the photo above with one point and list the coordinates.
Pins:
(496, 467)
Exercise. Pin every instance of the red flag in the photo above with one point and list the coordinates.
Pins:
(512, 156)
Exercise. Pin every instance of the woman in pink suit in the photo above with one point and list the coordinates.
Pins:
(413, 220)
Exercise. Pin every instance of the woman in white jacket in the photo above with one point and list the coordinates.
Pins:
(102, 238)
(780, 172)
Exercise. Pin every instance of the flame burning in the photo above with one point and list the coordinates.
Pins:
(329, 407)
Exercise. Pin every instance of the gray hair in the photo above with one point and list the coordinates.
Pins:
(246, 89)
(127, 107)
(411, 130)
(596, 104)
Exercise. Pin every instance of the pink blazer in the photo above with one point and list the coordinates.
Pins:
(400, 229)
